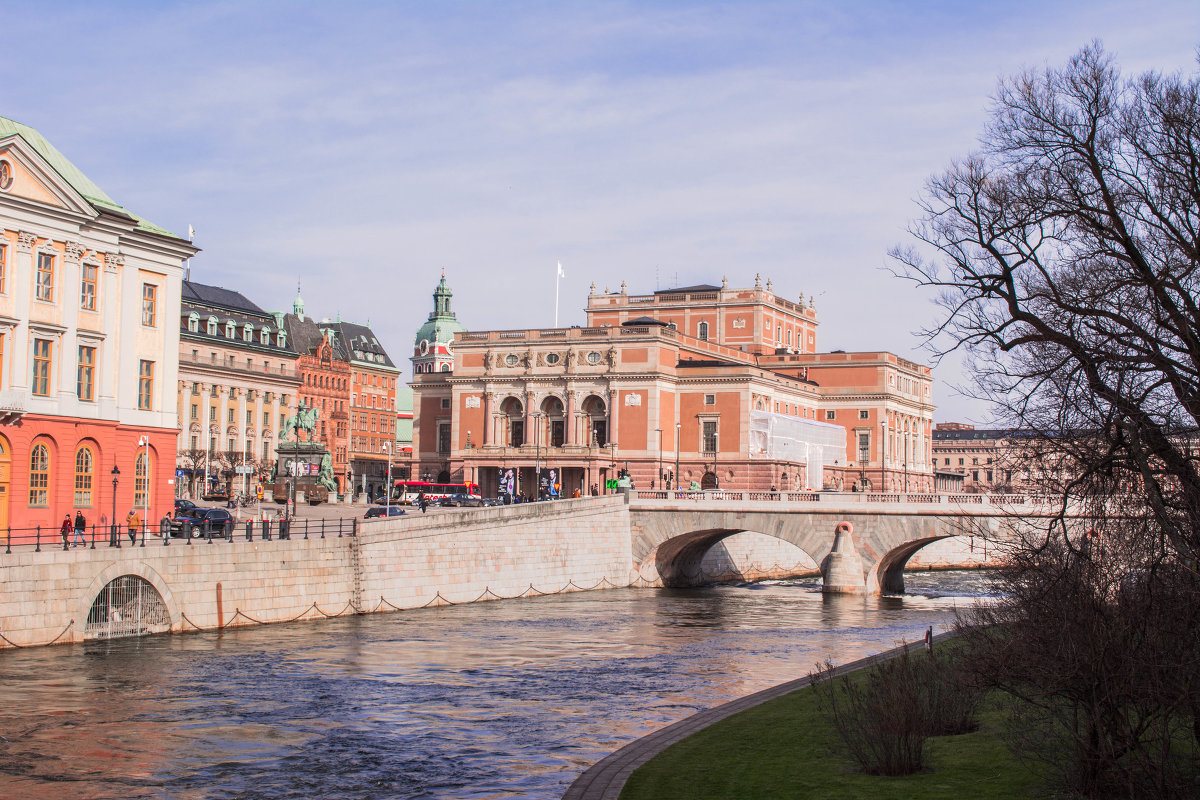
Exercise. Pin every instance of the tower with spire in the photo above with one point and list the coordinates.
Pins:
(432, 345)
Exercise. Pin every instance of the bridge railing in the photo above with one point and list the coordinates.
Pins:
(722, 495)
(163, 534)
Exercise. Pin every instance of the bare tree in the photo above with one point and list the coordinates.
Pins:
(192, 459)
(1066, 256)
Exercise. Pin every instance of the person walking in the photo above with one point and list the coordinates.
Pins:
(133, 522)
(421, 501)
(66, 529)
(80, 539)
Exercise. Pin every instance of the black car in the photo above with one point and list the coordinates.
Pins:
(197, 522)
(463, 500)
(383, 511)
(182, 504)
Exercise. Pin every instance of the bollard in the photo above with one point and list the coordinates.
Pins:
(93, 536)
(39, 539)
(144, 526)
(8, 541)
(306, 530)
(249, 530)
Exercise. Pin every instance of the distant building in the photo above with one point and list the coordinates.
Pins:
(324, 368)
(88, 344)
(237, 384)
(701, 385)
(984, 458)
(373, 380)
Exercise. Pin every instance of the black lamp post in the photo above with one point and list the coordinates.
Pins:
(678, 429)
(113, 539)
(660, 473)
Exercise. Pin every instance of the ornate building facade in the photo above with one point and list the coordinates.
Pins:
(703, 385)
(373, 380)
(238, 381)
(88, 343)
(324, 368)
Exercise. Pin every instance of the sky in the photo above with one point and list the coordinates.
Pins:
(358, 149)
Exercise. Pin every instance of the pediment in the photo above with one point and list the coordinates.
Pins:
(32, 178)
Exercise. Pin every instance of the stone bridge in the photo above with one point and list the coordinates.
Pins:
(860, 541)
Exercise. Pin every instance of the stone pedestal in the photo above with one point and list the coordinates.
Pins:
(842, 569)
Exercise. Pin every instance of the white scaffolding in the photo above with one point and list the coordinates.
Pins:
(778, 437)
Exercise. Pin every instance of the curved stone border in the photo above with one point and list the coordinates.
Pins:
(605, 779)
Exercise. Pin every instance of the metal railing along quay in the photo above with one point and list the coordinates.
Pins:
(721, 495)
(164, 535)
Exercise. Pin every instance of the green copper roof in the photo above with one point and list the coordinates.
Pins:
(442, 324)
(71, 173)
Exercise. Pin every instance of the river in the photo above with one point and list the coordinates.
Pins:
(509, 699)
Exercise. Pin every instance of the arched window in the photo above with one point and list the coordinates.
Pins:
(281, 340)
(194, 322)
(230, 329)
(39, 476)
(212, 326)
(445, 367)
(248, 332)
(84, 465)
(265, 336)
(141, 481)
(702, 331)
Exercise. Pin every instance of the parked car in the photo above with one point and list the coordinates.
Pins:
(383, 511)
(493, 501)
(463, 500)
(182, 503)
(195, 522)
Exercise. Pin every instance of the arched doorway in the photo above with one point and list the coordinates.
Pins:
(443, 477)
(709, 481)
(597, 421)
(127, 606)
(513, 415)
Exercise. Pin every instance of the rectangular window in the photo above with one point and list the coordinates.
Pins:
(149, 304)
(195, 411)
(87, 288)
(830, 415)
(443, 440)
(231, 448)
(864, 414)
(266, 418)
(249, 418)
(710, 436)
(45, 277)
(229, 415)
(85, 378)
(195, 443)
(445, 402)
(145, 385)
(710, 399)
(212, 413)
(864, 443)
(42, 357)
(266, 450)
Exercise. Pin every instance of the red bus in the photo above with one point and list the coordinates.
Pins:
(405, 492)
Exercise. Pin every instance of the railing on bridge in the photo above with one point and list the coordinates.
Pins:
(722, 495)
(102, 536)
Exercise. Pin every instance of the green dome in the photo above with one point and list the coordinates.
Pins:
(442, 324)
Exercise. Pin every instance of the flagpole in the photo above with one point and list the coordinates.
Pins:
(557, 276)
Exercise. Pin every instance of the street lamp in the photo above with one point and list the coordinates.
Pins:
(883, 456)
(112, 532)
(716, 449)
(388, 487)
(906, 462)
(537, 458)
(678, 428)
(612, 460)
(660, 475)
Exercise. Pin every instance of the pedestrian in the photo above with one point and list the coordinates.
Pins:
(133, 522)
(66, 529)
(80, 527)
(421, 501)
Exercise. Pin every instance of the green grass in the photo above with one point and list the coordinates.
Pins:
(786, 749)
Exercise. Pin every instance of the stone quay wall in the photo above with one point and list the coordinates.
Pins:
(401, 562)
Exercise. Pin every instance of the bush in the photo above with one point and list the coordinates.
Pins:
(885, 714)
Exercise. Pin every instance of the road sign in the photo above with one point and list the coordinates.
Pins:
(243, 470)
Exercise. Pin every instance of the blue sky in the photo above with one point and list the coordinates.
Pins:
(363, 147)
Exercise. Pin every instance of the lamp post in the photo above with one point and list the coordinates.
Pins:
(660, 475)
(144, 441)
(883, 456)
(295, 440)
(906, 462)
(113, 539)
(678, 429)
(716, 449)
(537, 457)
(612, 463)
(387, 489)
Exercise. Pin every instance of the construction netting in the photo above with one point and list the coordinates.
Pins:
(805, 441)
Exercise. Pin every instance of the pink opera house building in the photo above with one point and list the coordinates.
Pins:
(709, 386)
(89, 341)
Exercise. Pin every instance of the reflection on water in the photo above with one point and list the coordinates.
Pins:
(491, 700)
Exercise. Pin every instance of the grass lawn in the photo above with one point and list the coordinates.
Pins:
(786, 749)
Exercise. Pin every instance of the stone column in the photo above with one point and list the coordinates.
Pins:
(613, 398)
(488, 421)
(569, 417)
(842, 569)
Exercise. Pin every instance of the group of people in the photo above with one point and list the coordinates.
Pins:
(133, 524)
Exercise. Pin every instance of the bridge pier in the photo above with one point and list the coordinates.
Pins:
(842, 569)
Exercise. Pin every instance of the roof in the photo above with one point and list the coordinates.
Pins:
(642, 322)
(305, 337)
(972, 434)
(203, 294)
(72, 174)
(359, 341)
(703, 287)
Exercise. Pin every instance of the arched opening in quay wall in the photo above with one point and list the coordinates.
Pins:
(689, 560)
(128, 605)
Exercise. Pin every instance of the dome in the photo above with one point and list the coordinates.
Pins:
(442, 324)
